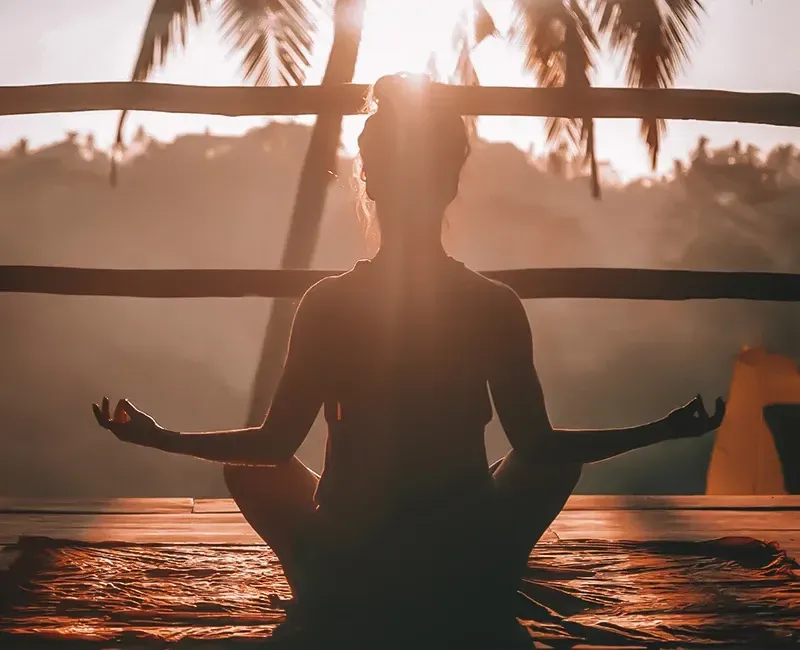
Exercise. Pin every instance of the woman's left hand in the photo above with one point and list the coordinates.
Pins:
(692, 420)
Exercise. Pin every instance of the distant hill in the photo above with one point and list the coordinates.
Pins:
(222, 202)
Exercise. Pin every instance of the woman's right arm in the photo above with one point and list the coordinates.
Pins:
(295, 406)
(519, 400)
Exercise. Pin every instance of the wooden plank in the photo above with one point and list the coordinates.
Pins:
(674, 522)
(244, 535)
(135, 528)
(683, 502)
(214, 506)
(614, 502)
(608, 283)
(89, 506)
(193, 529)
(639, 523)
(348, 99)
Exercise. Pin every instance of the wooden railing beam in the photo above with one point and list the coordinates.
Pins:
(608, 283)
(348, 99)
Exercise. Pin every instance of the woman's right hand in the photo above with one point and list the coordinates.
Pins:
(128, 423)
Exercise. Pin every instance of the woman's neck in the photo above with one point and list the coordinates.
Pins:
(410, 243)
(413, 251)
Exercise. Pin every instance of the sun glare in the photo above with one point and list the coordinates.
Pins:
(400, 35)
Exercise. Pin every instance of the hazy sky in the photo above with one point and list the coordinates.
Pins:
(744, 45)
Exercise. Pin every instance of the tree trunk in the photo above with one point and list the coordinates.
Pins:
(318, 170)
(595, 175)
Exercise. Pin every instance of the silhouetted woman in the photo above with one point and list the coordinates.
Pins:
(403, 352)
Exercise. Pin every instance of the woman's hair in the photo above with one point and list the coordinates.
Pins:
(398, 105)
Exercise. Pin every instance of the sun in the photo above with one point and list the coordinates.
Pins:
(400, 35)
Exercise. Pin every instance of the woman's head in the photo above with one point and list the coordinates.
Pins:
(411, 152)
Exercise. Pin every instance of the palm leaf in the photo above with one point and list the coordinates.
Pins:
(166, 26)
(654, 36)
(484, 25)
(559, 43)
(432, 67)
(471, 30)
(276, 37)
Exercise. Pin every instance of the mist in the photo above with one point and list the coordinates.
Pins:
(205, 201)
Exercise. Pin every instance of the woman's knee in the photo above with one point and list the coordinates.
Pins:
(280, 482)
(238, 476)
(525, 469)
(247, 483)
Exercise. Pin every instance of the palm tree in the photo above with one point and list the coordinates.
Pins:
(318, 170)
(784, 159)
(561, 38)
(275, 37)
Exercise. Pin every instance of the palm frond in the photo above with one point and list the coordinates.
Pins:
(472, 28)
(432, 67)
(537, 27)
(166, 28)
(559, 42)
(654, 37)
(276, 37)
(484, 25)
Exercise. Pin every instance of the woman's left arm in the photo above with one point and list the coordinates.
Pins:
(294, 407)
(688, 421)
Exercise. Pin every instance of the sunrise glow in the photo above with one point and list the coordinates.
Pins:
(399, 35)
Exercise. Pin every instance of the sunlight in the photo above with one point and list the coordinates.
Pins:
(399, 35)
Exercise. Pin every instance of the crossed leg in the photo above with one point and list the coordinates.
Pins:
(530, 497)
(278, 502)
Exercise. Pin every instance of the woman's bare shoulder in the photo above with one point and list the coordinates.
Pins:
(330, 289)
(496, 292)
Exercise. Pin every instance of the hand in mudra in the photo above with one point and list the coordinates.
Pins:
(692, 420)
(127, 423)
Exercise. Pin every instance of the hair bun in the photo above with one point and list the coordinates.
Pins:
(398, 88)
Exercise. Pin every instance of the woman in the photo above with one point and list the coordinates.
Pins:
(403, 353)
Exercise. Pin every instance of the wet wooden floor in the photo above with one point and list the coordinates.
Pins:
(204, 521)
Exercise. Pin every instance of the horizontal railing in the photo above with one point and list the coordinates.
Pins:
(348, 99)
(614, 283)
(609, 283)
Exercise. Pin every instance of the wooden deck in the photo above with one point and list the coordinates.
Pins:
(217, 521)
(199, 521)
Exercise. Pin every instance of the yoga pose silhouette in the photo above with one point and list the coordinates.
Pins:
(404, 353)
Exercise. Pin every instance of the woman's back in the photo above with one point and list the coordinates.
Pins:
(406, 497)
(405, 369)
